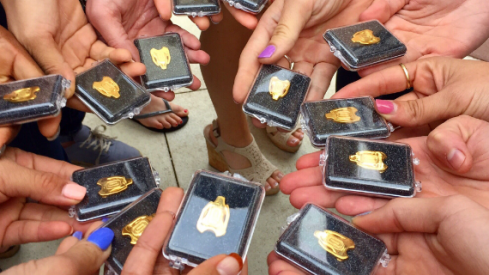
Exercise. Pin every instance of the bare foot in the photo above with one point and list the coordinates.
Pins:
(168, 120)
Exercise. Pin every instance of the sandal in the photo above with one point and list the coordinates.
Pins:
(153, 114)
(11, 251)
(280, 138)
(260, 169)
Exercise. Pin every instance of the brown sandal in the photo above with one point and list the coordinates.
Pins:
(280, 139)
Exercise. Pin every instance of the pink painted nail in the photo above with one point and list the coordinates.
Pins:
(74, 191)
(268, 52)
(385, 106)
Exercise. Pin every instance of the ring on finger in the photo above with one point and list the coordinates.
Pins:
(408, 79)
(291, 63)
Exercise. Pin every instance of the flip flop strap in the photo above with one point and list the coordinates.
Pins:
(168, 110)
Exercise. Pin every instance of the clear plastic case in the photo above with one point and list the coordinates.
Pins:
(355, 117)
(217, 216)
(196, 8)
(32, 99)
(167, 66)
(111, 187)
(364, 44)
(251, 6)
(276, 96)
(368, 167)
(109, 93)
(136, 215)
(320, 242)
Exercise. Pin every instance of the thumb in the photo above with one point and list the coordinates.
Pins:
(382, 10)
(220, 265)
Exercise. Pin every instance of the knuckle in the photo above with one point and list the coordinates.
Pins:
(415, 111)
(46, 181)
(281, 31)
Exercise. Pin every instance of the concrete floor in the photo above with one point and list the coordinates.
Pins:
(176, 156)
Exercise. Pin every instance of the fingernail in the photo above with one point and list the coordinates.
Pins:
(74, 191)
(280, 176)
(363, 214)
(78, 235)
(231, 265)
(186, 111)
(105, 219)
(55, 135)
(213, 22)
(456, 158)
(267, 52)
(102, 237)
(385, 106)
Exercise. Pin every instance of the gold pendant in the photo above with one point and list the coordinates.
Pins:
(161, 58)
(107, 87)
(136, 228)
(373, 160)
(214, 217)
(278, 88)
(344, 115)
(335, 243)
(365, 37)
(22, 95)
(113, 185)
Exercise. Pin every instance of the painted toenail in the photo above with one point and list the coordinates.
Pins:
(280, 176)
(275, 184)
(268, 187)
(186, 111)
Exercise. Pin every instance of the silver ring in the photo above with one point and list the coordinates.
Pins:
(2, 150)
(291, 63)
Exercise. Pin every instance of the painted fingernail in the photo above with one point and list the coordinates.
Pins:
(102, 238)
(231, 265)
(55, 135)
(268, 52)
(105, 219)
(385, 106)
(78, 235)
(280, 176)
(456, 158)
(74, 191)
(186, 111)
(363, 214)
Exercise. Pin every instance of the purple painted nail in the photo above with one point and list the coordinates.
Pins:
(78, 235)
(268, 52)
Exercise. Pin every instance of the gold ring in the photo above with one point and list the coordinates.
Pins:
(291, 63)
(406, 73)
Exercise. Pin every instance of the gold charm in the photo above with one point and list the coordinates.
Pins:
(373, 160)
(107, 87)
(344, 115)
(161, 58)
(278, 88)
(365, 37)
(113, 185)
(136, 228)
(21, 95)
(214, 217)
(335, 243)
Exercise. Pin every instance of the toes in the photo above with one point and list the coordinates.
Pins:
(271, 183)
(172, 121)
(176, 118)
(277, 176)
(179, 110)
(298, 134)
(293, 141)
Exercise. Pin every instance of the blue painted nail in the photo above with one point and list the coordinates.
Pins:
(105, 219)
(363, 214)
(102, 237)
(267, 52)
(78, 235)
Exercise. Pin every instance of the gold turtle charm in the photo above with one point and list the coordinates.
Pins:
(136, 228)
(161, 58)
(113, 185)
(335, 243)
(22, 95)
(344, 115)
(107, 87)
(278, 88)
(365, 37)
(373, 160)
(214, 217)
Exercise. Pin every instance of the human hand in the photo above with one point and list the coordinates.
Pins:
(73, 257)
(453, 160)
(24, 175)
(146, 257)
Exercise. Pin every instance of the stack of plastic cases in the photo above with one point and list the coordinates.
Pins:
(113, 186)
(277, 110)
(251, 6)
(160, 75)
(217, 216)
(368, 167)
(196, 8)
(355, 117)
(355, 55)
(125, 99)
(321, 242)
(143, 208)
(32, 99)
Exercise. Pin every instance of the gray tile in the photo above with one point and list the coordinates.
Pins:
(31, 251)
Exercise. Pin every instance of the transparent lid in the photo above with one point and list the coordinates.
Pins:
(364, 44)
(276, 96)
(217, 216)
(32, 99)
(109, 93)
(113, 186)
(196, 8)
(251, 6)
(375, 168)
(321, 242)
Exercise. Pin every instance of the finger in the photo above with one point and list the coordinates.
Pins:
(8, 133)
(201, 22)
(320, 80)
(164, 8)
(283, 268)
(170, 95)
(258, 124)
(220, 265)
(356, 205)
(308, 161)
(249, 21)
(50, 127)
(22, 231)
(77, 104)
(198, 57)
(143, 256)
(382, 10)
(303, 178)
(316, 194)
(133, 69)
(66, 244)
(189, 40)
(195, 84)
(217, 18)
(304, 68)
